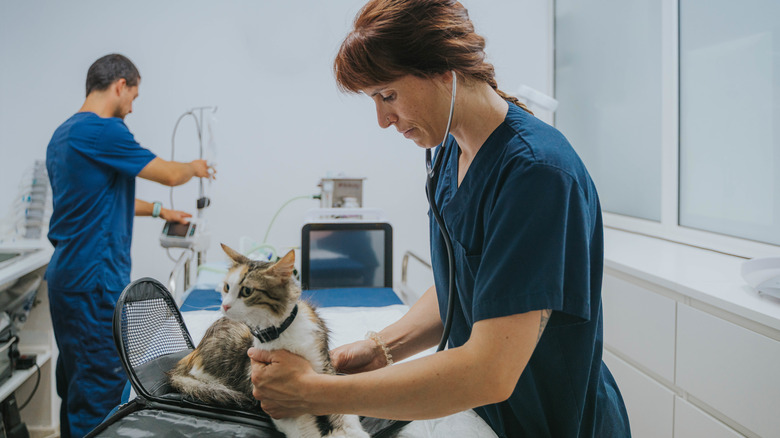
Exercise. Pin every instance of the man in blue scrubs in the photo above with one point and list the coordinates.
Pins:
(93, 160)
(525, 350)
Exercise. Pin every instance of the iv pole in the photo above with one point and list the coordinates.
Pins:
(203, 202)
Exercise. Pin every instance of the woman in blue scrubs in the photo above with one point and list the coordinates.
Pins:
(525, 350)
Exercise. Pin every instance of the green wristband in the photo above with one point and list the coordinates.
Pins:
(156, 209)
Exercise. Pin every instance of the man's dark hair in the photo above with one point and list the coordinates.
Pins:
(108, 69)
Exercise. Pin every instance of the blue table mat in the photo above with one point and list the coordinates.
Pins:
(209, 299)
(352, 297)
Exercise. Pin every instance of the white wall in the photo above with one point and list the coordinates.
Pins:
(267, 65)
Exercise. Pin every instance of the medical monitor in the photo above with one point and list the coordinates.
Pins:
(346, 255)
(175, 229)
(178, 235)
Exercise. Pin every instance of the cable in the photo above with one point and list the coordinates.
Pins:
(35, 388)
(265, 239)
(270, 248)
(173, 141)
(168, 251)
(202, 268)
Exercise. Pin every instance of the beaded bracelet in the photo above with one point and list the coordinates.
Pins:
(374, 336)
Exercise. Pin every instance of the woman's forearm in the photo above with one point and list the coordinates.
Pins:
(485, 370)
(421, 328)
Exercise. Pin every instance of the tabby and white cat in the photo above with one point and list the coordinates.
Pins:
(261, 304)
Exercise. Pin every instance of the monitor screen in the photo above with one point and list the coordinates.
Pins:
(176, 229)
(345, 255)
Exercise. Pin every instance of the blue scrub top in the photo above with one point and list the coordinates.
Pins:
(92, 164)
(527, 235)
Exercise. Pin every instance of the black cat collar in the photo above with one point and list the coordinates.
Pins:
(272, 333)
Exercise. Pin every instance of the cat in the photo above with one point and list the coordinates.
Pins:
(260, 301)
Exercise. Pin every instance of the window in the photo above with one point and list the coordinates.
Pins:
(609, 89)
(674, 106)
(730, 117)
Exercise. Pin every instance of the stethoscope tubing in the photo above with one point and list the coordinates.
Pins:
(430, 185)
(452, 297)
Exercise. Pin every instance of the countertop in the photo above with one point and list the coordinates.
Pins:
(707, 276)
(39, 255)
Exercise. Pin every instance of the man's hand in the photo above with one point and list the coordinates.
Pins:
(181, 217)
(202, 169)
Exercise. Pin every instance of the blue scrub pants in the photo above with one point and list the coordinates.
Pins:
(90, 377)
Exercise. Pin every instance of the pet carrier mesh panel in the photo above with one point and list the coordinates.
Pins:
(151, 338)
(151, 330)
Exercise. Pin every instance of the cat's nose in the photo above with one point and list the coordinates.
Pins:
(225, 307)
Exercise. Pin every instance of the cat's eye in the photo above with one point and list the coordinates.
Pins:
(226, 289)
(244, 292)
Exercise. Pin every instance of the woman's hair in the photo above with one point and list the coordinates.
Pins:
(394, 38)
(108, 69)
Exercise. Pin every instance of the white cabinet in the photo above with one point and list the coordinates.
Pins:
(650, 405)
(731, 368)
(41, 415)
(692, 422)
(684, 368)
(640, 324)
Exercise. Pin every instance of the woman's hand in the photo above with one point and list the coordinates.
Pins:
(279, 379)
(358, 357)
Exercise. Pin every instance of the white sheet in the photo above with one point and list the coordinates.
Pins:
(349, 324)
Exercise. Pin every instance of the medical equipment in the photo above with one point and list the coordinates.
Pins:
(347, 255)
(430, 185)
(340, 197)
(189, 236)
(16, 301)
(205, 125)
(341, 192)
(29, 216)
(194, 237)
(432, 180)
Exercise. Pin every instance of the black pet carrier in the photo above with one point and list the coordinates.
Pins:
(151, 338)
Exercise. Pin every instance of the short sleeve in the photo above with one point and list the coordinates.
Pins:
(115, 147)
(536, 250)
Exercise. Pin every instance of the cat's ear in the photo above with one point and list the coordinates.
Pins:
(236, 256)
(284, 267)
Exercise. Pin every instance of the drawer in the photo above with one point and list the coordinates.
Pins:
(640, 324)
(731, 368)
(650, 405)
(692, 422)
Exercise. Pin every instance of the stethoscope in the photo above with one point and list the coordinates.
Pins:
(430, 186)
